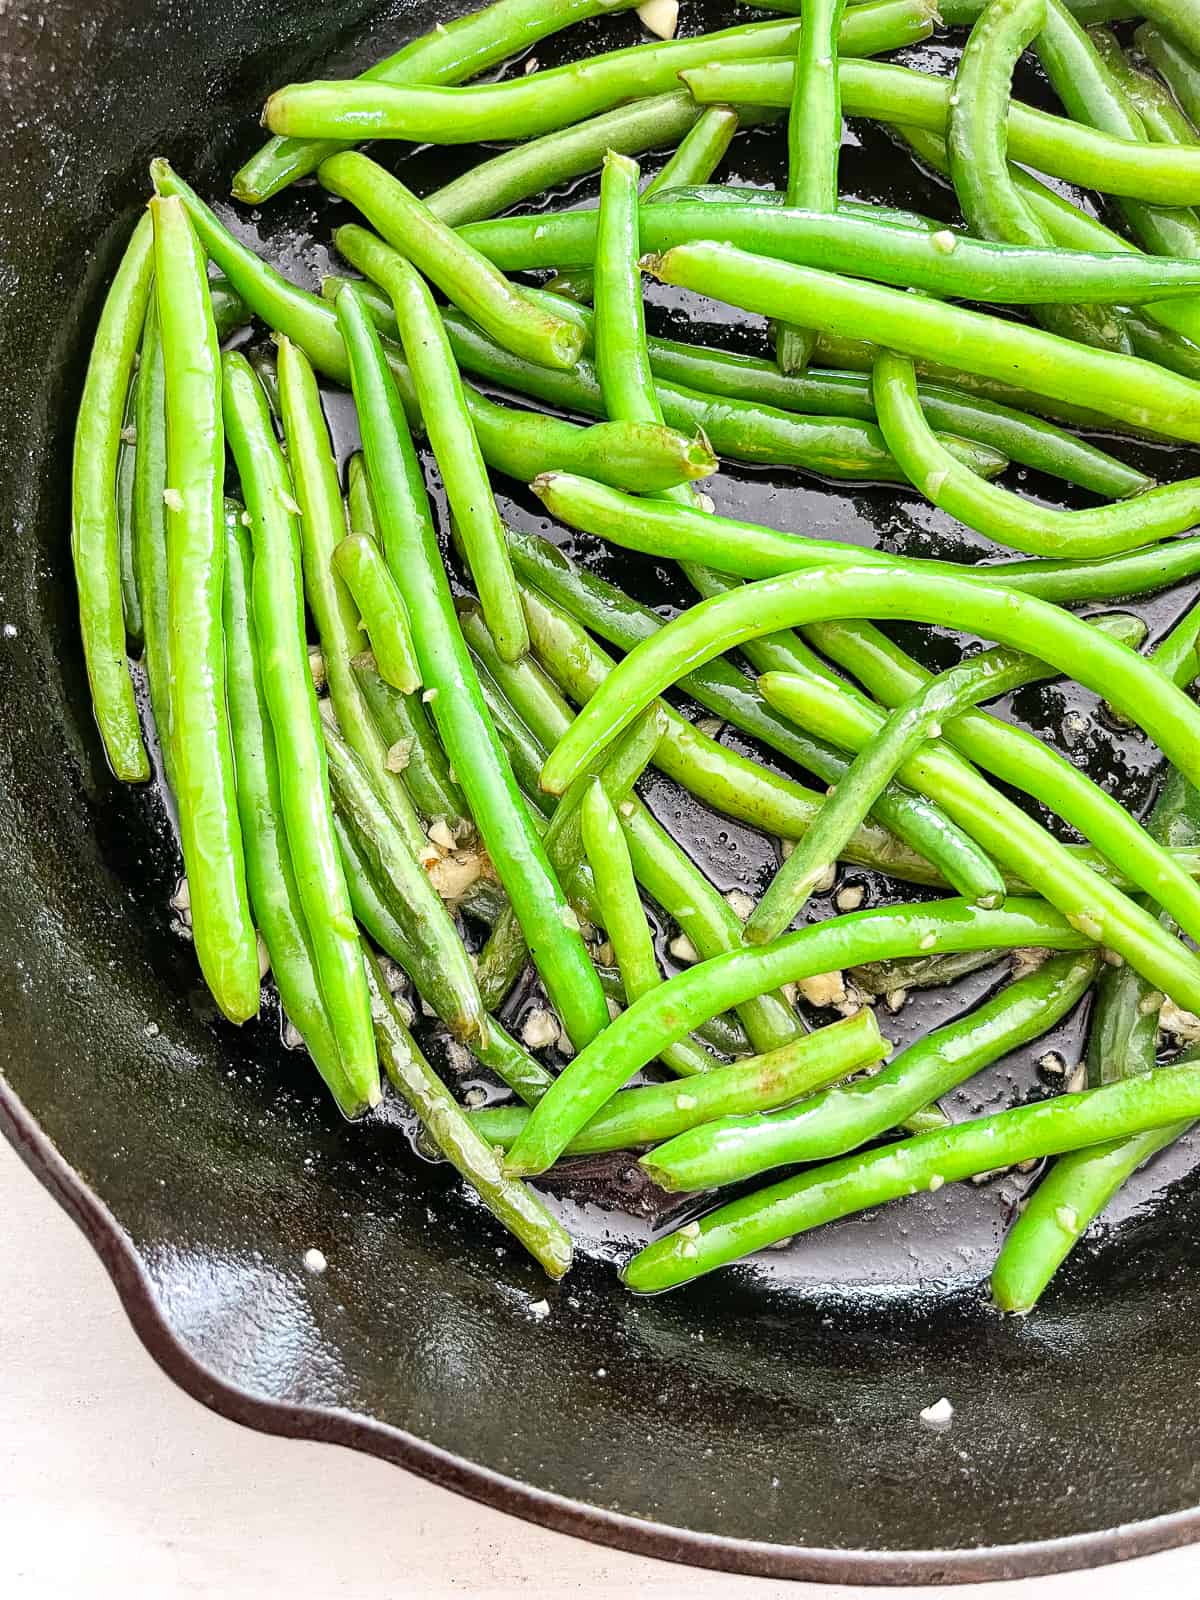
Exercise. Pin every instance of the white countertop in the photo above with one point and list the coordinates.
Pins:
(114, 1484)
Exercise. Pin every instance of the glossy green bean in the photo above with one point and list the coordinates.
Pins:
(1007, 518)
(94, 533)
(1161, 115)
(456, 450)
(658, 1111)
(470, 741)
(666, 1013)
(1068, 1122)
(814, 143)
(624, 920)
(467, 278)
(943, 263)
(455, 1135)
(698, 156)
(539, 164)
(525, 754)
(210, 833)
(131, 603)
(447, 54)
(523, 108)
(513, 442)
(1176, 65)
(278, 608)
(884, 92)
(1015, 841)
(150, 534)
(407, 735)
(1124, 387)
(270, 873)
(360, 564)
(360, 509)
(843, 1118)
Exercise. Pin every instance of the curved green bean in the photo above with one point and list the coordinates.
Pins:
(624, 921)
(1124, 387)
(658, 1111)
(150, 534)
(458, 1139)
(1157, 174)
(523, 108)
(362, 568)
(278, 601)
(1068, 1122)
(666, 1013)
(1008, 518)
(1175, 63)
(270, 874)
(470, 741)
(447, 54)
(843, 1118)
(1154, 103)
(210, 833)
(94, 533)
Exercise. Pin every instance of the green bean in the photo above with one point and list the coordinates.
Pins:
(1022, 760)
(456, 449)
(513, 442)
(944, 263)
(150, 534)
(666, 1013)
(402, 721)
(1007, 518)
(814, 143)
(1176, 22)
(1158, 174)
(435, 949)
(523, 108)
(360, 509)
(539, 164)
(1014, 840)
(658, 1111)
(470, 741)
(446, 55)
(230, 311)
(94, 532)
(270, 873)
(624, 921)
(278, 604)
(856, 1182)
(131, 604)
(210, 834)
(454, 1134)
(723, 194)
(1124, 387)
(843, 1118)
(697, 157)
(1154, 103)
(361, 567)
(909, 726)
(1176, 66)
(463, 275)
(524, 753)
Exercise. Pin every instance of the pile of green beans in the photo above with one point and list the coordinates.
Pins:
(390, 724)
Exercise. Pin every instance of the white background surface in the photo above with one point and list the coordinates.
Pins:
(115, 1485)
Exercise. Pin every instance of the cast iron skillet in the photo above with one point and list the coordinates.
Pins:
(762, 1422)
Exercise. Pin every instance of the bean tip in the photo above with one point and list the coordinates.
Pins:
(543, 484)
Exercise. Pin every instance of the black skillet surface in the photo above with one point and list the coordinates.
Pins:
(764, 1421)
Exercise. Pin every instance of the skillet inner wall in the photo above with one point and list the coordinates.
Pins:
(752, 1405)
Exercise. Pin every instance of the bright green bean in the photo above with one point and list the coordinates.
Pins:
(523, 108)
(210, 833)
(470, 741)
(94, 534)
(660, 1111)
(361, 567)
(448, 54)
(270, 873)
(1176, 64)
(360, 509)
(1007, 518)
(843, 1118)
(454, 1134)
(1161, 116)
(150, 534)
(666, 1013)
(278, 608)
(402, 721)
(1124, 387)
(462, 274)
(456, 450)
(1068, 1122)
(525, 754)
(623, 919)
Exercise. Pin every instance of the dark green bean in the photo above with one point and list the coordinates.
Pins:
(1175, 59)
(131, 603)
(150, 534)
(402, 721)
